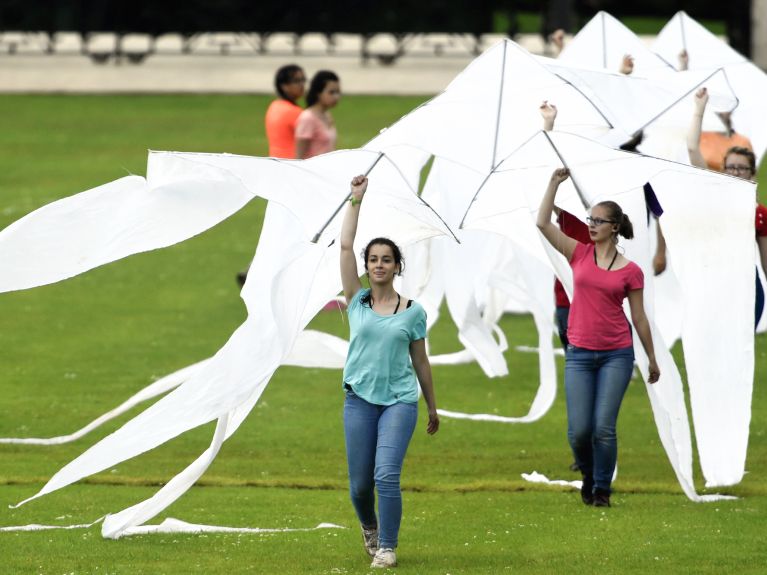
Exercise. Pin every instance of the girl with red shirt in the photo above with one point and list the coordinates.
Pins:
(600, 354)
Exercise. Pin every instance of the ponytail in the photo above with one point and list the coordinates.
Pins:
(626, 228)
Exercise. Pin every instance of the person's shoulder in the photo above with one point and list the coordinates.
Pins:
(281, 107)
(581, 250)
(306, 120)
(633, 269)
(357, 298)
(739, 139)
(417, 308)
(306, 115)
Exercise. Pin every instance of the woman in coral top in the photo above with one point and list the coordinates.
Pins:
(600, 354)
(315, 129)
(282, 114)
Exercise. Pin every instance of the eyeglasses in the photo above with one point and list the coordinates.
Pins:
(299, 80)
(737, 169)
(597, 221)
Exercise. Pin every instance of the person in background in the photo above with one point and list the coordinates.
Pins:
(315, 129)
(386, 362)
(280, 120)
(282, 114)
(712, 146)
(600, 356)
(738, 161)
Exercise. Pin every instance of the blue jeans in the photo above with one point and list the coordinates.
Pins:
(377, 437)
(595, 382)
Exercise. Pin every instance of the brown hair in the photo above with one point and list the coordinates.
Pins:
(741, 151)
(615, 213)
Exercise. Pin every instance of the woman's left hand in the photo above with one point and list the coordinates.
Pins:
(433, 426)
(654, 372)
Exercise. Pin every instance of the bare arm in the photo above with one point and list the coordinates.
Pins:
(693, 135)
(659, 261)
(627, 64)
(561, 242)
(642, 326)
(302, 148)
(549, 114)
(349, 278)
(423, 372)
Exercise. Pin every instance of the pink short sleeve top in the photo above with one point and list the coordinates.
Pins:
(322, 138)
(597, 320)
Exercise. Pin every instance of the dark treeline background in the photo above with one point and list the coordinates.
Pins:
(366, 17)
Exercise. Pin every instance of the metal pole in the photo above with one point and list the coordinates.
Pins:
(316, 237)
(572, 175)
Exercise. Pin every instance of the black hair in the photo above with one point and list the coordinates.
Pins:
(745, 152)
(319, 81)
(396, 253)
(615, 213)
(285, 76)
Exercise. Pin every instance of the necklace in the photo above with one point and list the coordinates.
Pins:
(611, 261)
(396, 309)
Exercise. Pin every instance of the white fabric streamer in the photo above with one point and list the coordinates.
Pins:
(536, 477)
(171, 525)
(678, 187)
(484, 136)
(155, 389)
(707, 52)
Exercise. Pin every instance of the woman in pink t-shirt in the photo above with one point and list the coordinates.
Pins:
(315, 129)
(600, 354)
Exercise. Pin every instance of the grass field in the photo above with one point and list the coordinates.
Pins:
(73, 350)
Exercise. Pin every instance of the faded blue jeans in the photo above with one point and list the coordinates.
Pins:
(595, 382)
(377, 437)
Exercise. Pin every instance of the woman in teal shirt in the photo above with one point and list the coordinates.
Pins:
(387, 350)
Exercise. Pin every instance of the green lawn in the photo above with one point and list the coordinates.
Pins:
(73, 350)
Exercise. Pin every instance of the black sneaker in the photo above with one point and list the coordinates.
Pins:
(586, 490)
(601, 498)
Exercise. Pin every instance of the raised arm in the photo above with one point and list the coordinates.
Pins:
(693, 134)
(349, 278)
(549, 115)
(627, 64)
(423, 372)
(557, 41)
(642, 326)
(561, 242)
(659, 260)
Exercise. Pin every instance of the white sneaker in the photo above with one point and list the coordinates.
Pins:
(370, 540)
(384, 557)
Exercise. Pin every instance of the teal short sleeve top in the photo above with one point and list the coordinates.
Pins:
(378, 367)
